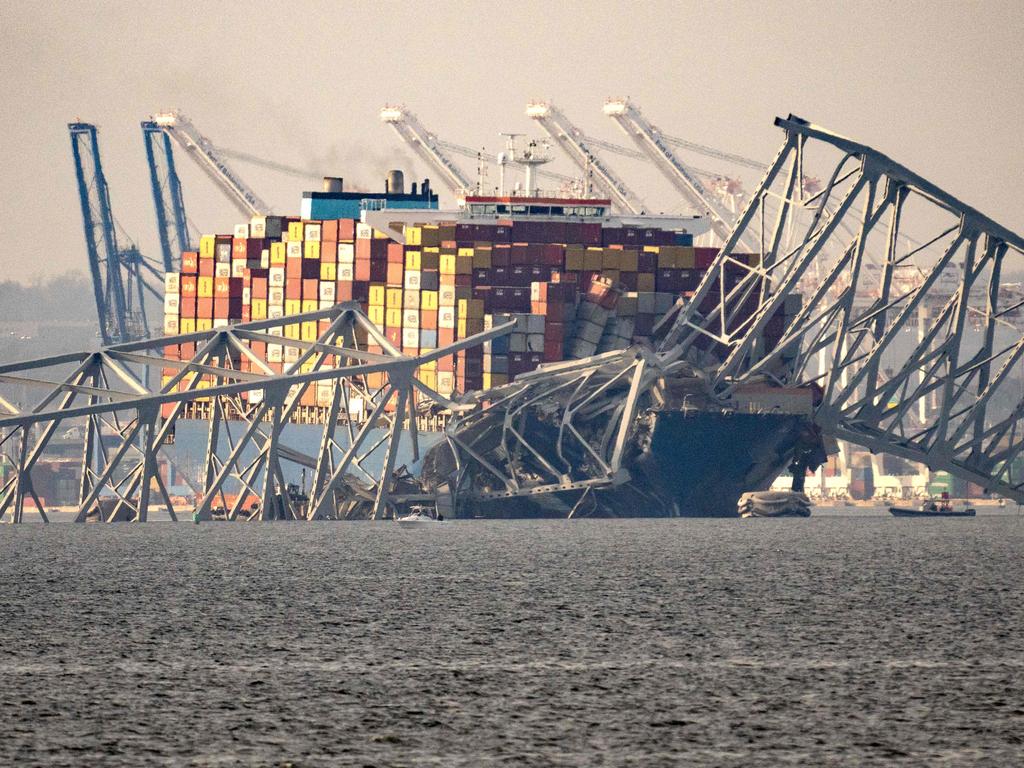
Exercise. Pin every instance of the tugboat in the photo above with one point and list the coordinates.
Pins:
(933, 508)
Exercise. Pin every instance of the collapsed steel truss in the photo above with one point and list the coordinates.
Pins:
(587, 408)
(125, 429)
(851, 238)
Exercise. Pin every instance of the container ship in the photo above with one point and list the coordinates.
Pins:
(578, 280)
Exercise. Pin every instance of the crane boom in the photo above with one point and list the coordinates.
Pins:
(576, 146)
(167, 198)
(212, 161)
(425, 144)
(649, 140)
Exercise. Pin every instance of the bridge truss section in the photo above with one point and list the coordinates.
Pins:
(878, 348)
(127, 425)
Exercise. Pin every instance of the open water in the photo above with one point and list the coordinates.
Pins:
(827, 641)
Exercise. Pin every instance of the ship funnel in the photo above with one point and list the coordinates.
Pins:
(334, 184)
(395, 184)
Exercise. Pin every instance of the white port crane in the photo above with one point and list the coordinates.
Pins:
(212, 161)
(578, 147)
(684, 178)
(425, 144)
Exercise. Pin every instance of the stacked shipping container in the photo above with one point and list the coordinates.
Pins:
(573, 288)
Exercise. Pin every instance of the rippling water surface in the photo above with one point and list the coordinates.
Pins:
(827, 641)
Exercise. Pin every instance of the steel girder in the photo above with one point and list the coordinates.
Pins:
(126, 423)
(847, 245)
(565, 427)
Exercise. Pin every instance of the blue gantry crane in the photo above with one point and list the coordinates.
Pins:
(121, 277)
(172, 224)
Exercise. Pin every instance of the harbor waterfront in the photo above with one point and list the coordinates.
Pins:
(821, 641)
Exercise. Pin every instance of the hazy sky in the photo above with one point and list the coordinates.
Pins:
(937, 85)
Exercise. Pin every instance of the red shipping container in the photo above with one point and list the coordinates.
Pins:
(189, 263)
(206, 267)
(311, 289)
(343, 292)
(293, 268)
(346, 229)
(519, 254)
(204, 308)
(394, 336)
(329, 230)
(501, 255)
(590, 234)
(328, 252)
(362, 269)
(259, 288)
(293, 290)
(221, 286)
(395, 253)
(363, 249)
(395, 274)
(188, 285)
(704, 256)
(445, 336)
(187, 308)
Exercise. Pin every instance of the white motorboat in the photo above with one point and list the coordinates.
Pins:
(420, 516)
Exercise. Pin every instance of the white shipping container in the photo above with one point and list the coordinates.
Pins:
(172, 282)
(364, 231)
(346, 273)
(171, 324)
(238, 267)
(446, 296)
(328, 291)
(222, 269)
(293, 249)
(246, 295)
(258, 226)
(275, 277)
(445, 382)
(411, 337)
(346, 253)
(172, 303)
(412, 280)
(446, 317)
(275, 353)
(241, 231)
(265, 258)
(220, 322)
(275, 297)
(411, 319)
(291, 354)
(312, 232)
(275, 312)
(255, 396)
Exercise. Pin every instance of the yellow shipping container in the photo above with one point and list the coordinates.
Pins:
(376, 315)
(328, 272)
(593, 258)
(278, 254)
(428, 300)
(393, 317)
(412, 260)
(204, 287)
(311, 249)
(309, 330)
(645, 282)
(291, 331)
(188, 325)
(411, 299)
(482, 258)
(292, 306)
(465, 252)
(204, 324)
(427, 377)
(207, 246)
(393, 298)
(413, 235)
(310, 305)
(447, 264)
(295, 231)
(258, 309)
(377, 294)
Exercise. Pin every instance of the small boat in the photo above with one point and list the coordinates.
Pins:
(419, 515)
(942, 508)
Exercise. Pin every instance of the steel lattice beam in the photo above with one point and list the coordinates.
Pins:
(848, 336)
(126, 423)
